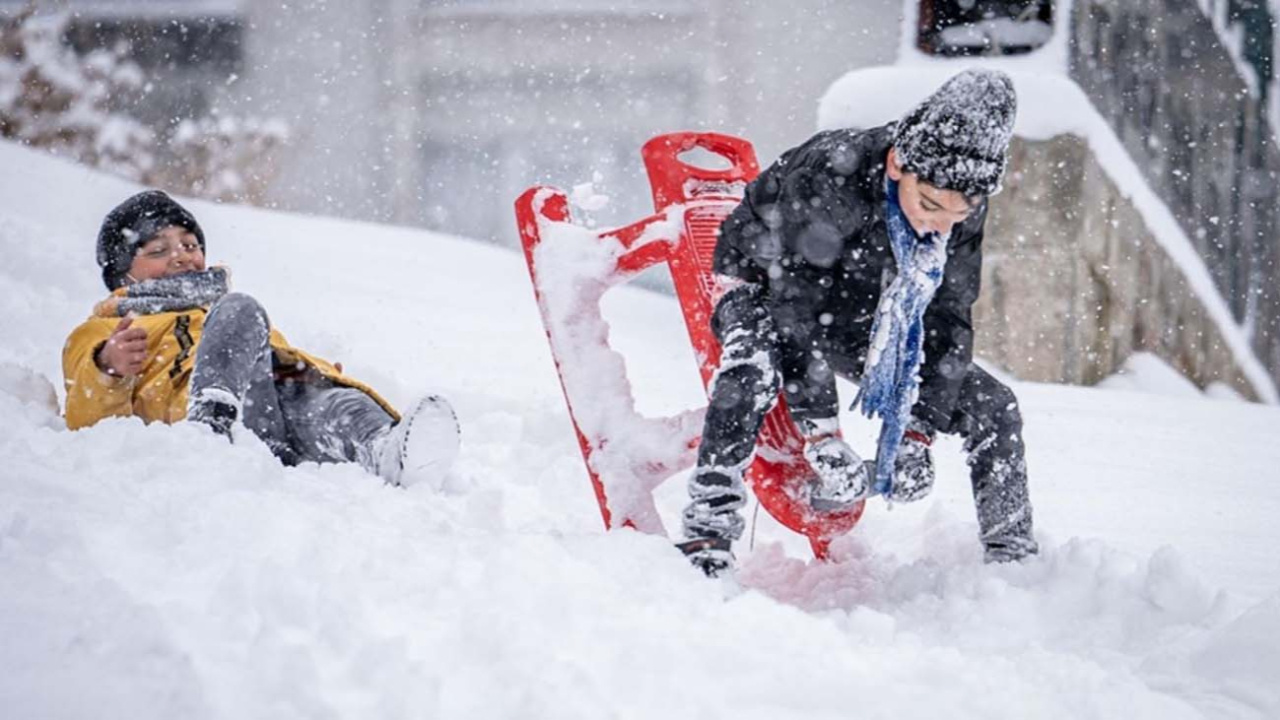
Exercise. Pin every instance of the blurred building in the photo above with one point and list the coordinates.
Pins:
(438, 113)
(191, 50)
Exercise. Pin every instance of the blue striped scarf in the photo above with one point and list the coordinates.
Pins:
(891, 379)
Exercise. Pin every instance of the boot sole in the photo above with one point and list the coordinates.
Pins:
(431, 444)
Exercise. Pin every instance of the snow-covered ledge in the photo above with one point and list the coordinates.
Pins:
(1054, 114)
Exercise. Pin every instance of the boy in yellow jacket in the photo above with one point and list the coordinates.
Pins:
(171, 342)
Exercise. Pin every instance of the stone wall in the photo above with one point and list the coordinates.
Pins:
(1074, 283)
(1158, 73)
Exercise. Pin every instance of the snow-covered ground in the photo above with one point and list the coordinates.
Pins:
(158, 572)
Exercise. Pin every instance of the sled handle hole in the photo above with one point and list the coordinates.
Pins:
(704, 159)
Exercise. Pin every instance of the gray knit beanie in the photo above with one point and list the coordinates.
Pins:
(958, 138)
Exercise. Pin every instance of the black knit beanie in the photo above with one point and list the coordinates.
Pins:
(958, 138)
(134, 222)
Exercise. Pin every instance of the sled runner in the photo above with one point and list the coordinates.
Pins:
(627, 455)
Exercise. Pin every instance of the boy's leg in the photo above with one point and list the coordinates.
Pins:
(233, 374)
(745, 388)
(331, 423)
(988, 418)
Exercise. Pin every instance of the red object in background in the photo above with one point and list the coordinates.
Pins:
(700, 199)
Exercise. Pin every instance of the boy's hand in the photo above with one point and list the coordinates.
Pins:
(842, 477)
(124, 354)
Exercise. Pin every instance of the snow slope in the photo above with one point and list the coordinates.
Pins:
(158, 572)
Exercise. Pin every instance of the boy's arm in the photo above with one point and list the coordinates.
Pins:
(747, 233)
(948, 326)
(92, 394)
(798, 194)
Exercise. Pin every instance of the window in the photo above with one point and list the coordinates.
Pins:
(984, 27)
(214, 43)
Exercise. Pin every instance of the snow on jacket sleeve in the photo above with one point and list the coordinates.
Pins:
(948, 342)
(92, 394)
(794, 220)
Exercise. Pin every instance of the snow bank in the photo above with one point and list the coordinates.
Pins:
(1242, 659)
(158, 572)
(1145, 372)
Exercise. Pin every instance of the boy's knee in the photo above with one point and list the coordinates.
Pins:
(1002, 407)
(238, 301)
(756, 383)
(239, 305)
(740, 306)
(985, 402)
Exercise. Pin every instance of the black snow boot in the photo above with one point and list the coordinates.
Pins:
(710, 555)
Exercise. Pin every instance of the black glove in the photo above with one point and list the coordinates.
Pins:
(842, 477)
(913, 473)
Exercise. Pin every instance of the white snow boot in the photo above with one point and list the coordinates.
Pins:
(420, 448)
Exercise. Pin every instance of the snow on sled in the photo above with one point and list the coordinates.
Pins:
(628, 455)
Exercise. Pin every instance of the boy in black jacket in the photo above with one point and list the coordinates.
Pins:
(859, 254)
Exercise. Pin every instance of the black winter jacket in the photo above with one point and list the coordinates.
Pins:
(811, 232)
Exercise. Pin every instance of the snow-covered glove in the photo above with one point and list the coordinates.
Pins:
(842, 477)
(710, 555)
(913, 468)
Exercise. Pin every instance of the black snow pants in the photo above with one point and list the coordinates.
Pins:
(756, 361)
(301, 415)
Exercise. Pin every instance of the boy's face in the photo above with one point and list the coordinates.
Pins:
(928, 209)
(172, 251)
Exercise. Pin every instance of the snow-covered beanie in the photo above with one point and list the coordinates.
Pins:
(134, 222)
(958, 138)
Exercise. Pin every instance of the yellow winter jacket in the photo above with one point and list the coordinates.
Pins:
(159, 393)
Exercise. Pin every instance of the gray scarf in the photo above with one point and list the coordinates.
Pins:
(168, 294)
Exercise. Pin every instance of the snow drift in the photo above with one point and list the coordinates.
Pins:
(158, 572)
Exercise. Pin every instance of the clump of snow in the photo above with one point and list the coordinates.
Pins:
(586, 198)
(1146, 372)
(631, 454)
(28, 395)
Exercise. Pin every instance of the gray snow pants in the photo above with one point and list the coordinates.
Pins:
(755, 363)
(301, 415)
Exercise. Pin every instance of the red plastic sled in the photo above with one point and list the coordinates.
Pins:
(628, 455)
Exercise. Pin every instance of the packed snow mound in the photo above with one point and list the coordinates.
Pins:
(1146, 372)
(1048, 103)
(160, 572)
